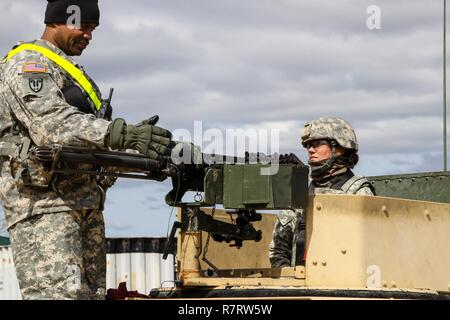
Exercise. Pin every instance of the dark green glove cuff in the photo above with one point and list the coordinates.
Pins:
(116, 133)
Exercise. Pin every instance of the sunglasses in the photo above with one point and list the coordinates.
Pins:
(317, 143)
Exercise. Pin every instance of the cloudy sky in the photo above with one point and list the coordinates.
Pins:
(263, 64)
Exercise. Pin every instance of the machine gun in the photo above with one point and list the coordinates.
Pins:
(235, 183)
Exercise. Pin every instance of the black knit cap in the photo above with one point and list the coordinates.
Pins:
(56, 11)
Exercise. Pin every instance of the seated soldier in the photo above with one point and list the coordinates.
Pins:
(332, 149)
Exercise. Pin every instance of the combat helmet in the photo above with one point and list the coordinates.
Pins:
(330, 128)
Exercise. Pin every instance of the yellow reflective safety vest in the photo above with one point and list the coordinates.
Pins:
(66, 65)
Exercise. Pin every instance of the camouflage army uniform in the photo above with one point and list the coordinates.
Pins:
(56, 225)
(288, 242)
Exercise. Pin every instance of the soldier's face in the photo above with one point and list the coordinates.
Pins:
(73, 40)
(320, 150)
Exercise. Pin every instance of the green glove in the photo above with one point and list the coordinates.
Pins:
(148, 139)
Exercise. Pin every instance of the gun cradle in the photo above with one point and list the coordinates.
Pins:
(194, 219)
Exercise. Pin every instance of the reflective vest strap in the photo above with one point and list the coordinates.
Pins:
(76, 73)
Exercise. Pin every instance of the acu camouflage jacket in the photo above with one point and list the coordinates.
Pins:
(33, 109)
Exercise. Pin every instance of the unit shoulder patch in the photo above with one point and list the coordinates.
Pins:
(36, 84)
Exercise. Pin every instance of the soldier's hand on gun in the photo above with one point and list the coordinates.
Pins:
(150, 140)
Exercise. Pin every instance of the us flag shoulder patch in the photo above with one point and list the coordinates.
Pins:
(34, 67)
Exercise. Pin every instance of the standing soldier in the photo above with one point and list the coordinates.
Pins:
(333, 151)
(56, 222)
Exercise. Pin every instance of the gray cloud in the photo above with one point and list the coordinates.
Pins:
(429, 163)
(108, 201)
(125, 183)
(117, 225)
(153, 202)
(247, 63)
(270, 64)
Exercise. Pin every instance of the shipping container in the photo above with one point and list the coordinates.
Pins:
(136, 261)
(139, 263)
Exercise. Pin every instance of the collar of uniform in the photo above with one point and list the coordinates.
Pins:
(55, 49)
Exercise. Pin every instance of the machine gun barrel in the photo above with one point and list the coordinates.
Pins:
(95, 157)
(118, 160)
